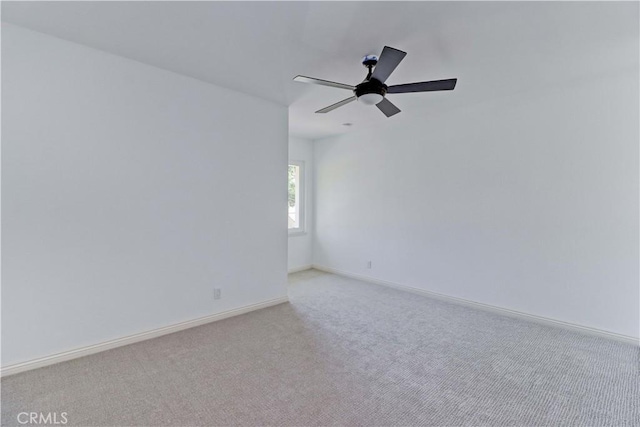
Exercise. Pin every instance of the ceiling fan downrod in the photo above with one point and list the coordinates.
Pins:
(370, 61)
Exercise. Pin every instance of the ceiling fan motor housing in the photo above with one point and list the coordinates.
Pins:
(370, 91)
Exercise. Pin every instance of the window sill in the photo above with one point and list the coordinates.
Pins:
(294, 233)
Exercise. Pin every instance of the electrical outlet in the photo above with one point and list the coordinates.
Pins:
(369, 264)
(217, 293)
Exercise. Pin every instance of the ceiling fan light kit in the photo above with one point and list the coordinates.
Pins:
(370, 98)
(373, 90)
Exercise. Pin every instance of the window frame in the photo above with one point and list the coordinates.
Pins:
(300, 203)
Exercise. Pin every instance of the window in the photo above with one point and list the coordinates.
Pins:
(296, 197)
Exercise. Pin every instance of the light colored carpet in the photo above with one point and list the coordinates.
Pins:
(344, 352)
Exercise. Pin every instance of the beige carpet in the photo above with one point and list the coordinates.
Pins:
(344, 352)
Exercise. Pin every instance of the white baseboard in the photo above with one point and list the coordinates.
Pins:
(495, 309)
(131, 339)
(303, 268)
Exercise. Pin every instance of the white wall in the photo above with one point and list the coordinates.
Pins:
(128, 194)
(300, 245)
(528, 203)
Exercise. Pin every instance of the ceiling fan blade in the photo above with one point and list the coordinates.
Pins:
(304, 79)
(434, 85)
(389, 60)
(387, 107)
(336, 105)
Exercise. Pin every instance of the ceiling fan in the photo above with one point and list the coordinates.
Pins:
(373, 90)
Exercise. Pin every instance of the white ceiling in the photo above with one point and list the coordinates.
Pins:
(495, 49)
